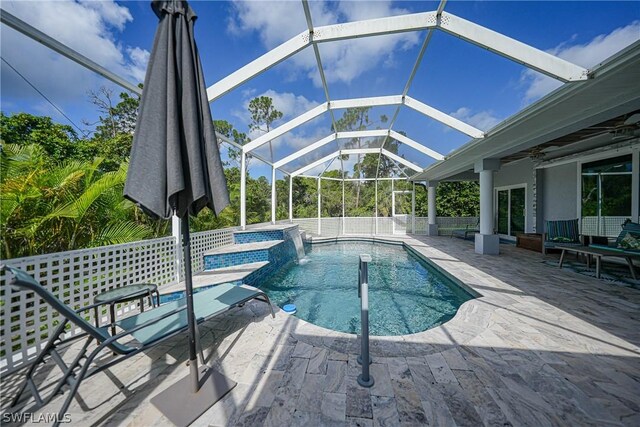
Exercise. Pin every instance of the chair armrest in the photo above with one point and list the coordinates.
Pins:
(109, 301)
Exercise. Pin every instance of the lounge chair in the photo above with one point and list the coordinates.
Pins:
(561, 232)
(463, 233)
(148, 329)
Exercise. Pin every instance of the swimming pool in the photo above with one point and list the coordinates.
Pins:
(406, 294)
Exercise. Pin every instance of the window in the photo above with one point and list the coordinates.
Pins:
(606, 195)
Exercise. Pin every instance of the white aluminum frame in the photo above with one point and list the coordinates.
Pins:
(399, 100)
(351, 151)
(19, 25)
(466, 30)
(437, 20)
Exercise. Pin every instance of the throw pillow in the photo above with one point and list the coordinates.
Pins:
(630, 242)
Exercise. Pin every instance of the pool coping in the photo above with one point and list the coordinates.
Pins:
(471, 318)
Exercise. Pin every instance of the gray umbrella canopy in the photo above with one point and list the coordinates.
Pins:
(175, 163)
(175, 168)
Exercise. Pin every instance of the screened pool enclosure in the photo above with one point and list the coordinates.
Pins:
(356, 160)
(393, 158)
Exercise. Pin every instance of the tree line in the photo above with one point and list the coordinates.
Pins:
(61, 190)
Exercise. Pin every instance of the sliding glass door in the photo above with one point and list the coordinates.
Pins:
(511, 210)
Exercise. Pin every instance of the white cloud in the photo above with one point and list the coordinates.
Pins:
(139, 59)
(343, 61)
(289, 104)
(586, 55)
(109, 12)
(88, 27)
(483, 120)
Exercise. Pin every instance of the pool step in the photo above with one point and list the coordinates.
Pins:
(262, 234)
(238, 254)
(236, 274)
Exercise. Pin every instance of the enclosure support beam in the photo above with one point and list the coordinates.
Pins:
(282, 129)
(401, 160)
(273, 195)
(316, 51)
(343, 210)
(19, 25)
(243, 191)
(353, 179)
(432, 227)
(305, 150)
(486, 242)
(514, 50)
(443, 118)
(290, 198)
(231, 142)
(393, 209)
(413, 209)
(415, 145)
(342, 173)
(418, 106)
(319, 207)
(176, 232)
(316, 163)
(376, 204)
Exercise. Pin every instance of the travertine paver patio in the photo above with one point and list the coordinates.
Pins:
(541, 347)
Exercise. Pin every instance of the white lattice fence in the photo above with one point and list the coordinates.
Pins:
(609, 226)
(331, 226)
(362, 225)
(421, 225)
(447, 224)
(75, 277)
(310, 225)
(367, 225)
(385, 225)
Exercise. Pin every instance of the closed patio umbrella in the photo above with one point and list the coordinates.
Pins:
(175, 169)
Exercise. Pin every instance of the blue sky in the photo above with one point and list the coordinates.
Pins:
(455, 77)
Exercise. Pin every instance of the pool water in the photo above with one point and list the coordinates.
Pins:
(406, 294)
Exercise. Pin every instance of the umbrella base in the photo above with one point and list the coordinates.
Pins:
(182, 407)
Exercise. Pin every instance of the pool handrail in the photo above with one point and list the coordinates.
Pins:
(364, 379)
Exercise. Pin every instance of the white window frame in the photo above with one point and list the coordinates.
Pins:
(634, 150)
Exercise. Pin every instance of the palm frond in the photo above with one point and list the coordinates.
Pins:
(120, 232)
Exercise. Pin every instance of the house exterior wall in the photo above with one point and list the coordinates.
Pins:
(551, 192)
(560, 192)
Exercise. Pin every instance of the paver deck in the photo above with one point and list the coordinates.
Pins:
(542, 346)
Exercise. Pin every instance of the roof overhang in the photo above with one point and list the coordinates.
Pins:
(613, 91)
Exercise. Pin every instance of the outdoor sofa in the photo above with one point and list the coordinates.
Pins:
(469, 229)
(626, 246)
(564, 232)
(628, 241)
(148, 328)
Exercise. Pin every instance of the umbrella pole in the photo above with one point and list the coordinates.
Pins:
(184, 402)
(188, 281)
